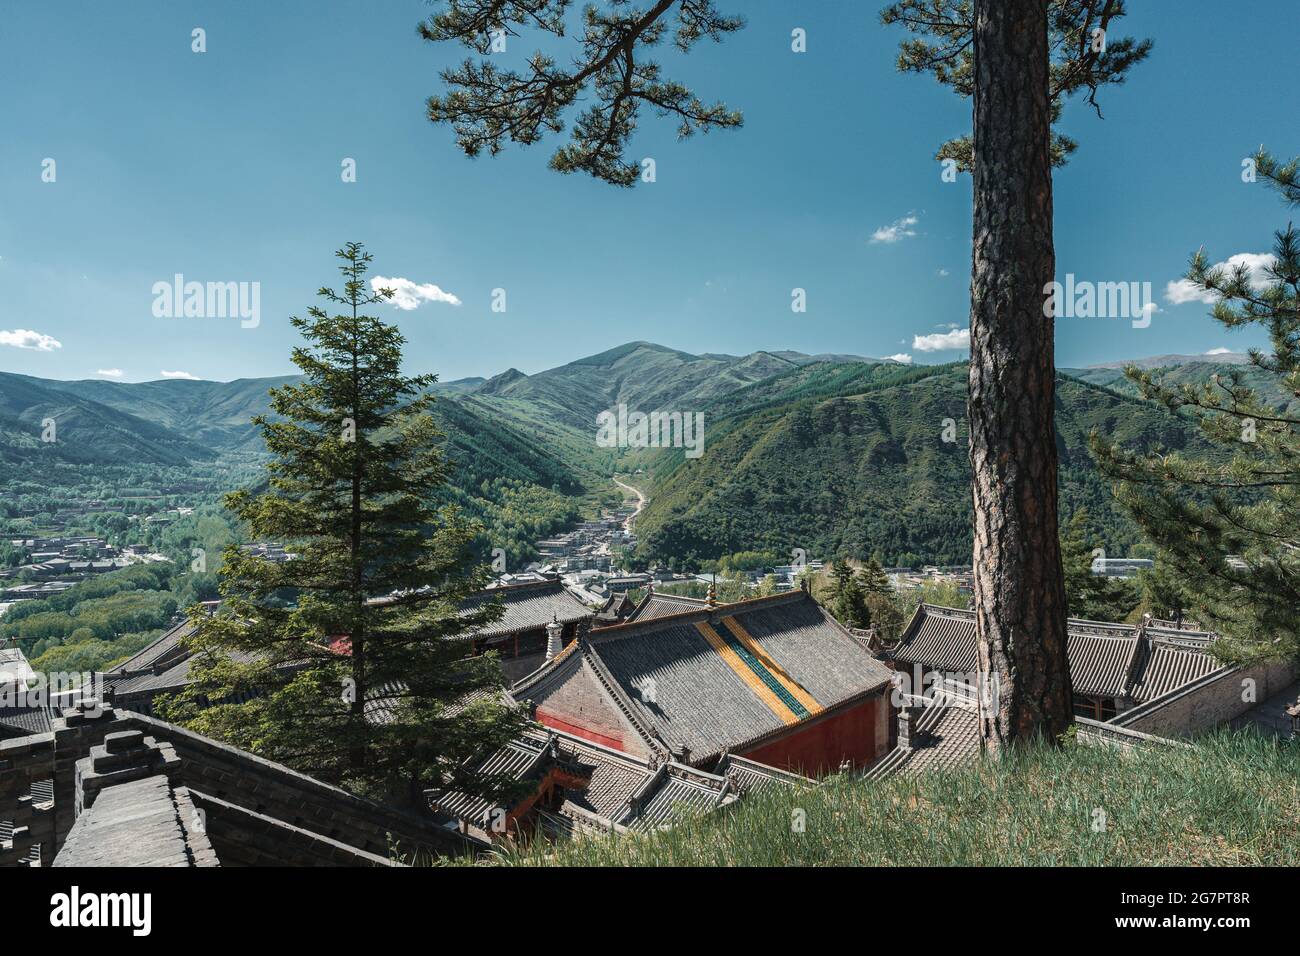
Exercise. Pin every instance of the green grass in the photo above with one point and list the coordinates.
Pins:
(1232, 800)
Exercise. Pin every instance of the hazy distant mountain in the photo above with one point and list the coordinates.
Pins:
(1159, 361)
(85, 430)
(1195, 370)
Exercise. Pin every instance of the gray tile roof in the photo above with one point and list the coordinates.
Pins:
(680, 691)
(527, 607)
(1106, 660)
(523, 759)
(947, 736)
(1100, 664)
(614, 776)
(623, 792)
(750, 776)
(655, 605)
(942, 638)
(164, 650)
(22, 721)
(672, 793)
(167, 678)
(1168, 667)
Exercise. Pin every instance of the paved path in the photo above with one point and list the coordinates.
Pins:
(1269, 716)
(640, 503)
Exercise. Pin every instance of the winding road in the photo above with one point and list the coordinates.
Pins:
(640, 503)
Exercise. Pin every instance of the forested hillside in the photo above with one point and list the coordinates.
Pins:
(852, 459)
(832, 454)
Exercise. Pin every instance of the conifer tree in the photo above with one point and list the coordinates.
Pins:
(1088, 595)
(1229, 526)
(848, 601)
(884, 607)
(341, 662)
(1017, 61)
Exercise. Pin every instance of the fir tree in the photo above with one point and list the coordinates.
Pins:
(1017, 61)
(883, 606)
(341, 662)
(848, 601)
(1229, 527)
(1091, 596)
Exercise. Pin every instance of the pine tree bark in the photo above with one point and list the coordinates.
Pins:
(1020, 607)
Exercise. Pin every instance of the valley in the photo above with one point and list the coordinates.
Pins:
(833, 454)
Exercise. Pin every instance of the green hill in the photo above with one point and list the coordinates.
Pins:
(851, 459)
(813, 452)
(86, 431)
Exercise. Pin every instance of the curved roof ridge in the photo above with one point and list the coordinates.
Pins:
(631, 627)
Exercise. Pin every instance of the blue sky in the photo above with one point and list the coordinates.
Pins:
(225, 166)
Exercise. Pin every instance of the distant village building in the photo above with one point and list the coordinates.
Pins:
(1121, 567)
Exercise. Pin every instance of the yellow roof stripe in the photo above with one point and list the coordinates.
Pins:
(732, 660)
(777, 671)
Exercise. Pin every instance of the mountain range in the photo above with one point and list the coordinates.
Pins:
(831, 453)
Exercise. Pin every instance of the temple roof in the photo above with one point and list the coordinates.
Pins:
(750, 776)
(712, 679)
(947, 735)
(527, 607)
(655, 605)
(1106, 660)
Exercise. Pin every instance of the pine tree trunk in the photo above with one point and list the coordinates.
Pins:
(1019, 588)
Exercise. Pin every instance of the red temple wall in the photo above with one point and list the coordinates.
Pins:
(821, 746)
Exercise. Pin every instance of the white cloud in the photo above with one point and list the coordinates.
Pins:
(897, 230)
(941, 272)
(902, 357)
(109, 372)
(938, 341)
(1178, 291)
(27, 339)
(1220, 351)
(409, 295)
(166, 374)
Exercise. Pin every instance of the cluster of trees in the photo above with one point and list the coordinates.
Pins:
(512, 514)
(103, 619)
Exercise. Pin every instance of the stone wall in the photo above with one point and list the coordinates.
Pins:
(25, 761)
(1209, 702)
(317, 822)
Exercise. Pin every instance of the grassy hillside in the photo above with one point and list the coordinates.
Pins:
(851, 459)
(1234, 800)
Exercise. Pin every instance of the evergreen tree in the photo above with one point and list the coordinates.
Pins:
(1229, 527)
(874, 579)
(340, 662)
(488, 106)
(1017, 60)
(848, 601)
(884, 608)
(1091, 596)
(1162, 589)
